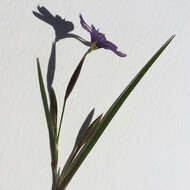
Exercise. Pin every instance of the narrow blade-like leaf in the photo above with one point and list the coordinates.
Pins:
(84, 135)
(74, 78)
(91, 129)
(53, 108)
(84, 127)
(47, 113)
(70, 87)
(44, 99)
(109, 115)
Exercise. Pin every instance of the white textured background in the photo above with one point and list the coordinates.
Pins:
(147, 145)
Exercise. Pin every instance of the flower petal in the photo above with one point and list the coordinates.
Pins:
(110, 46)
(94, 34)
(107, 45)
(100, 39)
(120, 54)
(84, 25)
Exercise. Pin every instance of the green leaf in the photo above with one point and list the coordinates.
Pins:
(46, 109)
(74, 77)
(70, 87)
(83, 129)
(91, 129)
(44, 99)
(83, 137)
(79, 141)
(53, 108)
(108, 117)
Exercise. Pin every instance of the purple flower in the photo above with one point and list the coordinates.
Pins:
(98, 40)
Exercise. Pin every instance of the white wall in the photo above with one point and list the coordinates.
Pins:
(147, 145)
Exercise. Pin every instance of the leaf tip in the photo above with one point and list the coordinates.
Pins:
(172, 37)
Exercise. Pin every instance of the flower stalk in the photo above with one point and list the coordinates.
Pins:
(70, 87)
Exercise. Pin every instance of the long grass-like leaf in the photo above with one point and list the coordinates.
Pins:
(49, 123)
(53, 108)
(109, 115)
(78, 142)
(74, 77)
(84, 128)
(83, 137)
(45, 102)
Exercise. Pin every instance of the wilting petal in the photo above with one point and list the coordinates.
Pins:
(84, 25)
(93, 34)
(101, 38)
(120, 54)
(111, 46)
(106, 45)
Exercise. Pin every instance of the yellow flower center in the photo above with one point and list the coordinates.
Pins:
(93, 46)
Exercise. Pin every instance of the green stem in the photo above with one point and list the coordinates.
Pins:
(63, 109)
(68, 162)
(75, 77)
